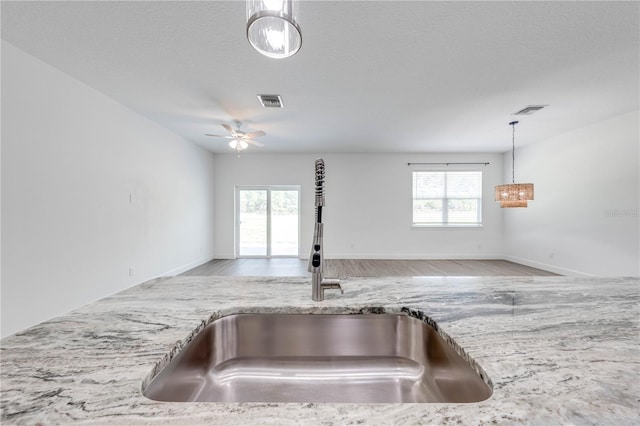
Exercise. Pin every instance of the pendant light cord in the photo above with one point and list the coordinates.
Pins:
(513, 151)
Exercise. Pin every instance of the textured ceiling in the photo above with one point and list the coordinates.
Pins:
(372, 76)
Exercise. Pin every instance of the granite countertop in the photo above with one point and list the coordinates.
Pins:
(558, 350)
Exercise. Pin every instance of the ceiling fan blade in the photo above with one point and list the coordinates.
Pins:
(229, 128)
(255, 134)
(252, 142)
(219, 136)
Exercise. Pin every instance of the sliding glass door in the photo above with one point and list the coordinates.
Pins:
(267, 221)
(252, 222)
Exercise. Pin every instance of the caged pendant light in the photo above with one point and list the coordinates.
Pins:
(514, 194)
(272, 28)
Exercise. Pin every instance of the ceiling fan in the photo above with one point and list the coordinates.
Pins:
(239, 139)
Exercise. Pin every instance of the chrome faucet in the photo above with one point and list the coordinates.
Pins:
(316, 258)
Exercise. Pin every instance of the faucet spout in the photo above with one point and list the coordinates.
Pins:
(316, 257)
(319, 285)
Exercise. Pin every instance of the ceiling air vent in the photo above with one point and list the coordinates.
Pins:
(270, 101)
(530, 109)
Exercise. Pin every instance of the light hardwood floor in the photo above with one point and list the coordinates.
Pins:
(366, 268)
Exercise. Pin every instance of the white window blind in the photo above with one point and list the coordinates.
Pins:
(447, 198)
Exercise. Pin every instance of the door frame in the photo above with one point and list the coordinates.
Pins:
(236, 218)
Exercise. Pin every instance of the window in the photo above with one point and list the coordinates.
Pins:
(447, 198)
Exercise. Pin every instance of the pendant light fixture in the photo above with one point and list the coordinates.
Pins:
(272, 28)
(514, 194)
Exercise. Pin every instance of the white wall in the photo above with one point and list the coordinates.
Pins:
(90, 189)
(585, 216)
(368, 211)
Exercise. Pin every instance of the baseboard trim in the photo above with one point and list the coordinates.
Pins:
(551, 268)
(186, 267)
(416, 256)
(226, 256)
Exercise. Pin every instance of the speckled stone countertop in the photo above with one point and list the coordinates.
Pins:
(558, 351)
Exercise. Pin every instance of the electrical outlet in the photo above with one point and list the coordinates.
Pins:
(132, 272)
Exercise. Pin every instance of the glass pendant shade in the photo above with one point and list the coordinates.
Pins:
(272, 28)
(238, 145)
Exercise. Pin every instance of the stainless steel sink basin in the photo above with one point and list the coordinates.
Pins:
(318, 358)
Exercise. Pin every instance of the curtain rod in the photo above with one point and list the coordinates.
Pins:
(446, 164)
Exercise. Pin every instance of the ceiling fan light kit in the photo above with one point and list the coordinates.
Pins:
(238, 145)
(514, 194)
(272, 28)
